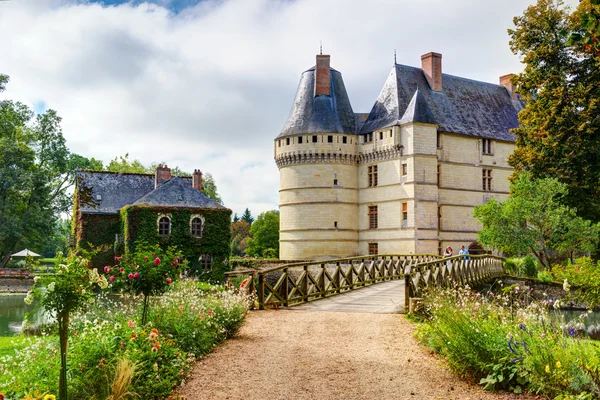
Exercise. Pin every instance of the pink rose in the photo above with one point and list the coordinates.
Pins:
(107, 269)
(112, 278)
(130, 276)
(169, 281)
(121, 270)
(157, 261)
(136, 275)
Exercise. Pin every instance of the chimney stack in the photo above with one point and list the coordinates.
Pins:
(322, 75)
(431, 63)
(505, 81)
(197, 180)
(163, 174)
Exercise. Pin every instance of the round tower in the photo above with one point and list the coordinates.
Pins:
(316, 154)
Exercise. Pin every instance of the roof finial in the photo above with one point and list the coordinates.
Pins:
(321, 47)
(395, 57)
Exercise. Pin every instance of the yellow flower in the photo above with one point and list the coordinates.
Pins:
(547, 369)
(49, 397)
(558, 364)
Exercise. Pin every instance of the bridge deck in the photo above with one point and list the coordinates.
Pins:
(381, 298)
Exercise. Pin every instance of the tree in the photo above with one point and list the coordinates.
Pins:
(36, 171)
(240, 232)
(534, 220)
(247, 216)
(588, 34)
(210, 188)
(559, 131)
(123, 164)
(264, 234)
(235, 218)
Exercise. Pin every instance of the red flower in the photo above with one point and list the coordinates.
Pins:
(121, 270)
(156, 261)
(130, 276)
(169, 280)
(112, 278)
(107, 269)
(136, 275)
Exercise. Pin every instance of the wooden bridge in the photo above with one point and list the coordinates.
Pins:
(299, 283)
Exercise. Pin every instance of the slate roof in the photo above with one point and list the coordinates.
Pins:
(310, 114)
(116, 190)
(463, 106)
(176, 192)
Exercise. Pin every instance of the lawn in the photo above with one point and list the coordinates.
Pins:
(8, 344)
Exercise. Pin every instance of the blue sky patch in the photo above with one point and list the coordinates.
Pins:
(173, 5)
(40, 107)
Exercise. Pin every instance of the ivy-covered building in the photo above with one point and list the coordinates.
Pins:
(116, 211)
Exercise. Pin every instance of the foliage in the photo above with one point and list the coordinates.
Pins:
(198, 319)
(139, 225)
(36, 171)
(588, 34)
(106, 336)
(584, 275)
(264, 234)
(247, 216)
(524, 266)
(67, 291)
(240, 233)
(96, 232)
(148, 271)
(487, 339)
(559, 128)
(533, 220)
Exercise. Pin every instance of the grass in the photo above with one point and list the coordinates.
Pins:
(8, 344)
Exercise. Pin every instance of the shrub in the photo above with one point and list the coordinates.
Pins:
(584, 275)
(487, 339)
(524, 266)
(545, 276)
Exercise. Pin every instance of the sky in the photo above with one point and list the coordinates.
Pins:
(208, 84)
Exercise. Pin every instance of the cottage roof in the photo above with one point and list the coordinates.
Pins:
(319, 114)
(463, 106)
(176, 192)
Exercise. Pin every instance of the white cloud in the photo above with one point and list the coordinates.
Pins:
(212, 86)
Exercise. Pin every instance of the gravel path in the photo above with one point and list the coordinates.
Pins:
(294, 355)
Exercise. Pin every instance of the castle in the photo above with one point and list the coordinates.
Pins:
(401, 179)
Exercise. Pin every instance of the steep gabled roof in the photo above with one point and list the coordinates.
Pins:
(177, 193)
(108, 192)
(463, 106)
(319, 114)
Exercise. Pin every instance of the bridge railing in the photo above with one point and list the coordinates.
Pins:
(295, 283)
(461, 270)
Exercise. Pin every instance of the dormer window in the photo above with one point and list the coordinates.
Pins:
(197, 226)
(164, 226)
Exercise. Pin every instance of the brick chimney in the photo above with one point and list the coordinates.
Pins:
(505, 81)
(431, 63)
(163, 174)
(197, 180)
(322, 75)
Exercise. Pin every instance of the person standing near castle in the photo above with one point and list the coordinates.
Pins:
(463, 251)
(448, 253)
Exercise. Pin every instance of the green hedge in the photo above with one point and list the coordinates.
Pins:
(140, 224)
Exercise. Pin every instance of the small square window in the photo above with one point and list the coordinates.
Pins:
(299, 139)
(345, 139)
(373, 217)
(335, 182)
(330, 139)
(439, 140)
(404, 169)
(373, 249)
(335, 224)
(287, 140)
(314, 138)
(380, 135)
(205, 262)
(279, 142)
(391, 133)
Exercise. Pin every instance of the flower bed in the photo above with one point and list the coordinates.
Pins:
(505, 344)
(110, 354)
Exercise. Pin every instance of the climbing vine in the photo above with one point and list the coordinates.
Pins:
(140, 225)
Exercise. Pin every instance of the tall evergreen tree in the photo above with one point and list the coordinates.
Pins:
(559, 135)
(247, 217)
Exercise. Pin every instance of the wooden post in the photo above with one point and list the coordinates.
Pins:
(305, 284)
(285, 287)
(336, 278)
(322, 281)
(407, 292)
(261, 291)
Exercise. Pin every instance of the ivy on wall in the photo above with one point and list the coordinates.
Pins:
(140, 225)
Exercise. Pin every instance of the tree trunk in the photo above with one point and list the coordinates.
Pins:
(63, 332)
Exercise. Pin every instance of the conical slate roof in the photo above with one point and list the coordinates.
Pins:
(177, 193)
(463, 106)
(324, 113)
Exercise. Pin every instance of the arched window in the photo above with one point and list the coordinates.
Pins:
(164, 226)
(197, 227)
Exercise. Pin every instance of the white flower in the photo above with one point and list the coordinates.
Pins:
(102, 282)
(36, 279)
(51, 286)
(566, 286)
(29, 298)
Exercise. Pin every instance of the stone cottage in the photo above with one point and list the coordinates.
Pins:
(115, 211)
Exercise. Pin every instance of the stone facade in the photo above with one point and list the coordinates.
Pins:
(406, 187)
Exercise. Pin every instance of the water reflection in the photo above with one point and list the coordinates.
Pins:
(12, 313)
